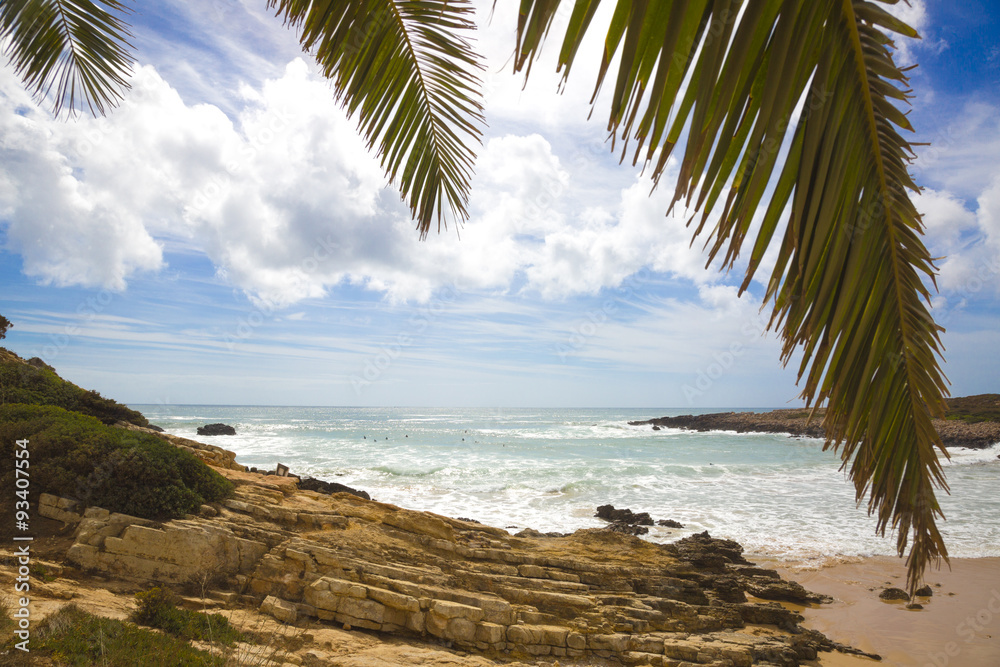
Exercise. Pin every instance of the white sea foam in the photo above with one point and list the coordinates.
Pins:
(549, 469)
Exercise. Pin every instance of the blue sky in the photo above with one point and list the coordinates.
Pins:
(137, 264)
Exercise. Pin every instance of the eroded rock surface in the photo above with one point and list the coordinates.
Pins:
(302, 556)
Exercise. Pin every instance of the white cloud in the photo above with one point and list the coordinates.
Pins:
(964, 156)
(287, 202)
(67, 229)
(970, 244)
(909, 51)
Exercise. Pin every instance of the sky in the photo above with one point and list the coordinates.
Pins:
(224, 237)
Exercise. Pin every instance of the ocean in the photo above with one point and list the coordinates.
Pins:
(781, 497)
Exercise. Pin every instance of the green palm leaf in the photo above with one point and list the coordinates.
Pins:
(406, 71)
(745, 81)
(70, 51)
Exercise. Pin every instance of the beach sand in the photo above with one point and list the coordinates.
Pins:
(959, 625)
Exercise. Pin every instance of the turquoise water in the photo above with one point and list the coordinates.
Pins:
(548, 469)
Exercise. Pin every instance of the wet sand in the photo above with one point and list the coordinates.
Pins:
(959, 625)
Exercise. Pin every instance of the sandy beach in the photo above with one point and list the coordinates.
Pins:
(959, 625)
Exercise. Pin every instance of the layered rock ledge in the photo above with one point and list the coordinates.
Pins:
(593, 597)
(954, 433)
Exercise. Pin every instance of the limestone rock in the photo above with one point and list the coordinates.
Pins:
(594, 595)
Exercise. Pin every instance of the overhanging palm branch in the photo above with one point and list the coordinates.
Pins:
(746, 81)
(733, 76)
(71, 52)
(406, 71)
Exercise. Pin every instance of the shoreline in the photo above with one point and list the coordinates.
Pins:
(796, 422)
(958, 626)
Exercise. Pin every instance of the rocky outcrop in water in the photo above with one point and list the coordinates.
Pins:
(953, 432)
(216, 429)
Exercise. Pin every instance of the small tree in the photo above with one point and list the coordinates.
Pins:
(4, 325)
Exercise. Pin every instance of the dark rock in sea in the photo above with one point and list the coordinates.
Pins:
(320, 486)
(655, 427)
(626, 528)
(625, 516)
(669, 523)
(216, 429)
(925, 591)
(894, 594)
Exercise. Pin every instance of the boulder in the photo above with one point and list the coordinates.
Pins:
(893, 594)
(321, 486)
(626, 528)
(216, 429)
(625, 516)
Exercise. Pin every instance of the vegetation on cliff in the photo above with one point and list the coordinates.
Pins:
(974, 409)
(124, 471)
(157, 608)
(36, 383)
(72, 636)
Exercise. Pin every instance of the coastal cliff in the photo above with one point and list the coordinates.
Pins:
(972, 421)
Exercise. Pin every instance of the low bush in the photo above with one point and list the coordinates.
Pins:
(131, 472)
(158, 608)
(74, 637)
(34, 382)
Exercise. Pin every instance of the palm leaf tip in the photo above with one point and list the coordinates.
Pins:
(409, 74)
(722, 82)
(74, 53)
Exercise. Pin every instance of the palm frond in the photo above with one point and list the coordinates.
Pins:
(789, 106)
(72, 52)
(411, 77)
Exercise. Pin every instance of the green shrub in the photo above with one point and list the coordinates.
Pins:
(123, 471)
(74, 637)
(36, 383)
(6, 622)
(158, 608)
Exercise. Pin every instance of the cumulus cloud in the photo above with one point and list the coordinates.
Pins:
(287, 202)
(67, 229)
(969, 244)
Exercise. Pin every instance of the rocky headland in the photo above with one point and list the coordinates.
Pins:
(975, 424)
